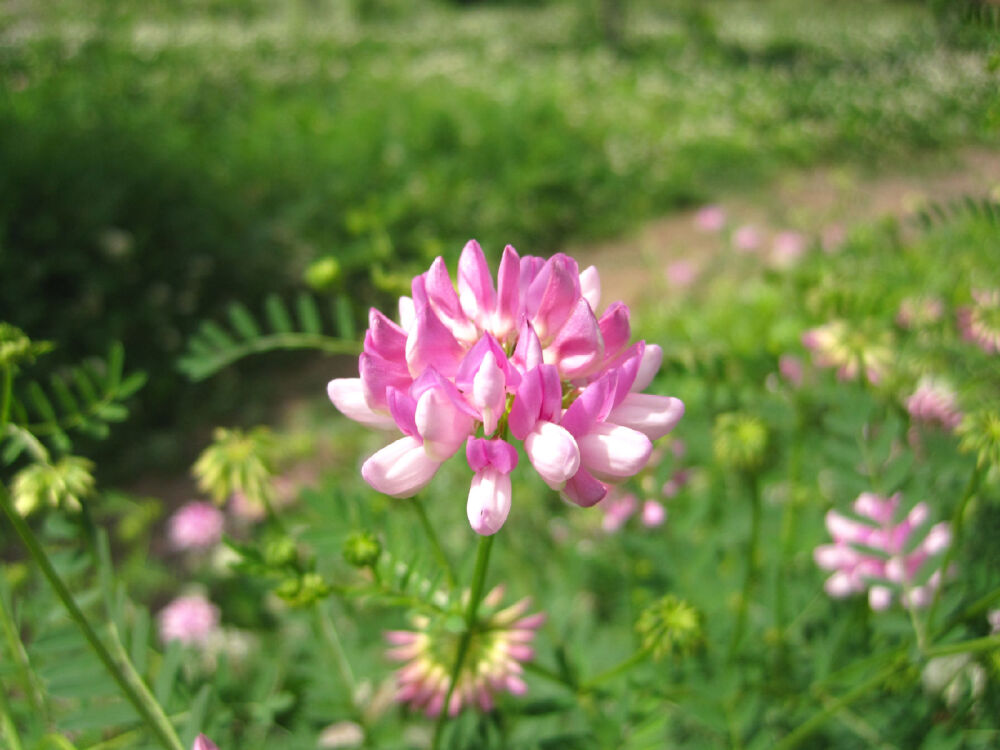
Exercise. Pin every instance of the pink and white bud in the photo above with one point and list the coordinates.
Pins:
(747, 239)
(442, 426)
(590, 286)
(612, 452)
(710, 218)
(553, 452)
(401, 469)
(489, 392)
(653, 416)
(201, 742)
(348, 395)
(192, 620)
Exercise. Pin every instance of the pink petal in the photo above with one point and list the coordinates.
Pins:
(401, 469)
(442, 427)
(378, 375)
(508, 294)
(552, 296)
(578, 347)
(653, 514)
(584, 489)
(201, 742)
(431, 344)
(489, 393)
(443, 298)
(592, 405)
(384, 338)
(528, 352)
(489, 501)
(615, 329)
(653, 416)
(475, 285)
(539, 396)
(590, 286)
(553, 452)
(652, 358)
(612, 452)
(499, 454)
(348, 395)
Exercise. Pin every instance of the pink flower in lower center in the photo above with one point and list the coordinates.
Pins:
(527, 357)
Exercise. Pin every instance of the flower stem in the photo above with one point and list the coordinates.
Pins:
(328, 631)
(751, 567)
(609, 674)
(796, 737)
(442, 558)
(472, 609)
(988, 643)
(956, 536)
(142, 701)
(7, 727)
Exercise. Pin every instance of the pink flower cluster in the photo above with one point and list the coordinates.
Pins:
(526, 357)
(620, 507)
(934, 402)
(879, 555)
(980, 321)
(196, 525)
(192, 620)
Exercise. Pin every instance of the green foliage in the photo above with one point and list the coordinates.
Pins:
(213, 347)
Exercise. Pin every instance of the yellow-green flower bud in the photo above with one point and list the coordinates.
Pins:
(362, 549)
(670, 626)
(740, 441)
(65, 483)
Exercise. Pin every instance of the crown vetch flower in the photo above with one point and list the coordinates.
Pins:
(851, 351)
(196, 525)
(880, 554)
(501, 641)
(192, 620)
(980, 321)
(934, 402)
(526, 356)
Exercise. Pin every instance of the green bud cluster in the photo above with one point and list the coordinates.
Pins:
(65, 484)
(237, 461)
(362, 549)
(740, 441)
(670, 626)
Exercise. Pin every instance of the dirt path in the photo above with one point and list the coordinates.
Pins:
(633, 267)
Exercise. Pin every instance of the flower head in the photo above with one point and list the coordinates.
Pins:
(880, 554)
(196, 525)
(788, 247)
(851, 351)
(192, 620)
(747, 238)
(980, 321)
(670, 626)
(710, 218)
(524, 357)
(500, 642)
(916, 312)
(934, 402)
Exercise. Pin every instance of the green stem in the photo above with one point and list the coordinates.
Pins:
(635, 659)
(796, 737)
(328, 631)
(987, 643)
(472, 609)
(145, 705)
(442, 558)
(751, 568)
(548, 674)
(956, 537)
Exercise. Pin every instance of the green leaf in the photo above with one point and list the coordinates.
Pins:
(308, 314)
(277, 315)
(243, 322)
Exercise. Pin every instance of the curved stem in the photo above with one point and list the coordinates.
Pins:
(796, 737)
(145, 705)
(328, 632)
(472, 609)
(609, 674)
(442, 558)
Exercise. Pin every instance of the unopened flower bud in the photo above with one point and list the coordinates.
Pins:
(362, 549)
(670, 626)
(741, 441)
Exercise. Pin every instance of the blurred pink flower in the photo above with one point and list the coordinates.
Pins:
(681, 273)
(525, 357)
(879, 554)
(244, 509)
(653, 514)
(980, 321)
(192, 620)
(201, 742)
(934, 402)
(835, 344)
(788, 247)
(791, 369)
(492, 662)
(196, 525)
(994, 619)
(710, 218)
(676, 483)
(618, 508)
(747, 239)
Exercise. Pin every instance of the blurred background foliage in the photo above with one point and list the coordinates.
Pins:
(164, 159)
